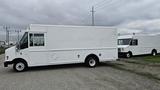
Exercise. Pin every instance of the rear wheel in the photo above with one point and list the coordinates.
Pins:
(91, 61)
(20, 66)
(154, 53)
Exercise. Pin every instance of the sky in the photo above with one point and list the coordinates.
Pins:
(127, 15)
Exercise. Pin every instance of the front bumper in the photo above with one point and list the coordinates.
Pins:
(121, 54)
(6, 63)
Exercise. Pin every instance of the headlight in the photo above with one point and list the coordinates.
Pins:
(7, 57)
(122, 49)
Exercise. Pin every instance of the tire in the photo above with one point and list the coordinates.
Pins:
(91, 62)
(154, 53)
(20, 66)
(128, 55)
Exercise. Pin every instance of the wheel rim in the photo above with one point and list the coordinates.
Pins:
(128, 55)
(154, 54)
(92, 62)
(20, 66)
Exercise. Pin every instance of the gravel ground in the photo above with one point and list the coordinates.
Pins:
(74, 77)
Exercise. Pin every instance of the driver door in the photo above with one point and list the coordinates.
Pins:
(37, 52)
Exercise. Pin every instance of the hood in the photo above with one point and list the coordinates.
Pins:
(123, 46)
(10, 52)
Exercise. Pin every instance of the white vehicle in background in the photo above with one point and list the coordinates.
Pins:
(43, 45)
(129, 45)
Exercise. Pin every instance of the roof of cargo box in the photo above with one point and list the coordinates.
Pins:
(44, 26)
(131, 36)
(125, 36)
(155, 34)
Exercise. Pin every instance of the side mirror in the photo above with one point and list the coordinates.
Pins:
(17, 47)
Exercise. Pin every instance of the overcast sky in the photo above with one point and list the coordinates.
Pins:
(129, 15)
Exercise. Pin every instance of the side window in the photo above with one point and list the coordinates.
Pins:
(134, 42)
(36, 39)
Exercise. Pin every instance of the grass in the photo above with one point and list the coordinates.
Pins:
(2, 50)
(122, 67)
(145, 59)
(152, 59)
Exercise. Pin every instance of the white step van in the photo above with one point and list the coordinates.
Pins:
(43, 45)
(140, 44)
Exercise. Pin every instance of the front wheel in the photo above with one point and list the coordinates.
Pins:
(91, 61)
(20, 66)
(129, 55)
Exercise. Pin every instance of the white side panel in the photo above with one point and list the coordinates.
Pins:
(73, 38)
(72, 44)
(37, 58)
(146, 43)
(78, 56)
(54, 57)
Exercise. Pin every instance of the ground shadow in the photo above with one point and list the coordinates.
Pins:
(67, 66)
(56, 67)
(138, 55)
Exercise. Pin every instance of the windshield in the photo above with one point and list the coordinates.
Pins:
(24, 41)
(124, 41)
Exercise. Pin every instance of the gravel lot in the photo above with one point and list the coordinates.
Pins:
(74, 77)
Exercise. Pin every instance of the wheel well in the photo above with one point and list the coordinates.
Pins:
(20, 60)
(92, 55)
(154, 50)
(130, 52)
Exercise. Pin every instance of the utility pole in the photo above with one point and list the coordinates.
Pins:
(18, 40)
(18, 31)
(7, 34)
(93, 12)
